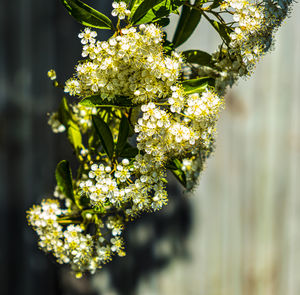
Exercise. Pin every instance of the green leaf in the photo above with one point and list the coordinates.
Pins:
(189, 19)
(153, 10)
(93, 140)
(98, 101)
(123, 134)
(64, 114)
(129, 152)
(222, 29)
(198, 57)
(163, 22)
(178, 173)
(104, 134)
(142, 9)
(87, 15)
(63, 177)
(74, 135)
(134, 4)
(215, 4)
(83, 201)
(171, 166)
(73, 130)
(197, 85)
(128, 2)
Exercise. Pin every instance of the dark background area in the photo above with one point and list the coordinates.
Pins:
(35, 37)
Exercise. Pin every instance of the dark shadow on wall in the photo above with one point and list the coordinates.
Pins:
(152, 242)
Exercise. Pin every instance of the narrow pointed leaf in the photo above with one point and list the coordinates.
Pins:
(179, 173)
(93, 140)
(129, 152)
(73, 130)
(74, 136)
(162, 22)
(198, 57)
(215, 4)
(171, 166)
(153, 11)
(98, 101)
(143, 8)
(197, 85)
(222, 29)
(105, 136)
(87, 15)
(64, 112)
(188, 22)
(134, 4)
(63, 177)
(123, 134)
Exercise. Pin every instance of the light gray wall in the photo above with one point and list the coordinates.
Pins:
(245, 238)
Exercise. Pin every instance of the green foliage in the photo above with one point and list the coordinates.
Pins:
(64, 112)
(198, 57)
(223, 30)
(63, 177)
(74, 136)
(189, 19)
(123, 134)
(152, 10)
(134, 4)
(73, 131)
(129, 151)
(175, 167)
(197, 85)
(87, 15)
(105, 135)
(93, 140)
(215, 4)
(142, 7)
(162, 22)
(82, 201)
(98, 101)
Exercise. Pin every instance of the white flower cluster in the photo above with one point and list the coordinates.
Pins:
(255, 24)
(164, 135)
(71, 243)
(246, 37)
(136, 187)
(130, 64)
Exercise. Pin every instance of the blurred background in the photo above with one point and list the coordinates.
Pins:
(238, 233)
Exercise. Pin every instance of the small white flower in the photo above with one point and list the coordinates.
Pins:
(87, 36)
(120, 10)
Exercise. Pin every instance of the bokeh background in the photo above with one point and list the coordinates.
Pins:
(238, 233)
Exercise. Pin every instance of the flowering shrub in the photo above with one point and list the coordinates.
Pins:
(139, 108)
